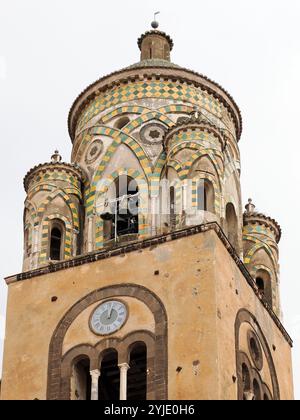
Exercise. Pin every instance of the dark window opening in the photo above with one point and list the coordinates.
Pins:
(256, 390)
(26, 241)
(56, 244)
(127, 209)
(82, 380)
(263, 281)
(261, 285)
(202, 197)
(109, 381)
(245, 377)
(122, 122)
(137, 374)
(205, 196)
(254, 349)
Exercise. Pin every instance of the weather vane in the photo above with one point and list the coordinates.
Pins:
(155, 24)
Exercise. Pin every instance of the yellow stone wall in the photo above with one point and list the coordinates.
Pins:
(197, 284)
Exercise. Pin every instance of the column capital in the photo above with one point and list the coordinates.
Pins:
(124, 366)
(95, 373)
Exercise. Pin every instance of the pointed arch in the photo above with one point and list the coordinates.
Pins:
(103, 187)
(257, 247)
(197, 158)
(135, 148)
(210, 153)
(67, 199)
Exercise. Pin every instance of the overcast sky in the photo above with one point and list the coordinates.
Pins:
(51, 50)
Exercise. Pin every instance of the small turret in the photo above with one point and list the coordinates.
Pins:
(261, 235)
(52, 212)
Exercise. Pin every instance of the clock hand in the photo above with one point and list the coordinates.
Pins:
(110, 311)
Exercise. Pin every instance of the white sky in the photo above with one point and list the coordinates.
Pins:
(51, 50)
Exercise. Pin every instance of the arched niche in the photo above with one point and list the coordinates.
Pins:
(232, 225)
(245, 318)
(59, 365)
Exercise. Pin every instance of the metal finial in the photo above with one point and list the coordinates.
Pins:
(155, 24)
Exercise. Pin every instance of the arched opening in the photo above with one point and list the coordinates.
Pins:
(232, 225)
(57, 241)
(201, 197)
(121, 219)
(205, 196)
(127, 206)
(121, 122)
(256, 390)
(137, 374)
(256, 354)
(245, 380)
(264, 285)
(109, 381)
(81, 380)
(260, 285)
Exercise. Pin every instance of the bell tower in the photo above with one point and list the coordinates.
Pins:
(142, 277)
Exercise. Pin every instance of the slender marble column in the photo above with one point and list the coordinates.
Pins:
(123, 381)
(95, 374)
(91, 220)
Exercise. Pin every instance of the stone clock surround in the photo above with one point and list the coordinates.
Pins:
(59, 365)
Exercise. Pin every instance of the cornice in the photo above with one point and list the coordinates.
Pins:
(191, 123)
(262, 219)
(71, 168)
(155, 32)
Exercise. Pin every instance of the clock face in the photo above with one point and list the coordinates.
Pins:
(109, 317)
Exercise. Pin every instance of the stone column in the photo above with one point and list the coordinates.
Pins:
(154, 213)
(90, 239)
(74, 245)
(34, 259)
(185, 196)
(123, 381)
(95, 374)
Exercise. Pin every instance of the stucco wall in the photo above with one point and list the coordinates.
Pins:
(197, 284)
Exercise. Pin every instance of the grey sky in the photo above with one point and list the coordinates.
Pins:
(51, 50)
